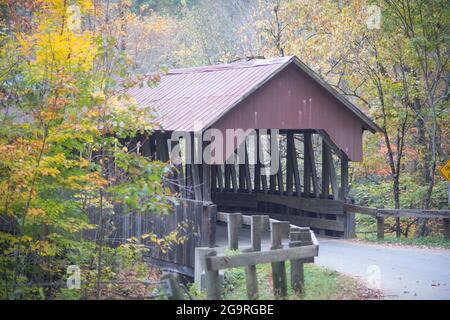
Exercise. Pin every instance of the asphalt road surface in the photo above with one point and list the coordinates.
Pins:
(400, 272)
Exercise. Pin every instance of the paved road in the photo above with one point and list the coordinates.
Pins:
(401, 273)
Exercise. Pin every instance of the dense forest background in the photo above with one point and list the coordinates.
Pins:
(396, 69)
(60, 100)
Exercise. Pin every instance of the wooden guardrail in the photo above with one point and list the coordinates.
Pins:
(303, 247)
(381, 214)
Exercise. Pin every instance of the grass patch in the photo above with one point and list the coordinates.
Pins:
(438, 242)
(320, 284)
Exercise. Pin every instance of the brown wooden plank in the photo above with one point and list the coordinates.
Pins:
(360, 209)
(312, 163)
(306, 165)
(253, 258)
(233, 177)
(325, 171)
(257, 172)
(413, 213)
(280, 177)
(289, 165)
(344, 178)
(317, 223)
(206, 183)
(238, 200)
(248, 178)
(179, 247)
(220, 177)
(333, 177)
(317, 205)
(227, 177)
(293, 154)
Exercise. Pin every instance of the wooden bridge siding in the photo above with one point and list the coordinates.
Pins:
(201, 220)
(320, 182)
(240, 188)
(198, 181)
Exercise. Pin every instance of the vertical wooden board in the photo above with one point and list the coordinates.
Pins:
(161, 229)
(241, 176)
(312, 164)
(161, 148)
(190, 231)
(264, 183)
(273, 183)
(278, 268)
(227, 177)
(233, 177)
(205, 234)
(188, 182)
(349, 218)
(198, 215)
(273, 177)
(152, 146)
(446, 223)
(257, 173)
(306, 165)
(126, 226)
(190, 241)
(171, 223)
(146, 150)
(280, 177)
(181, 181)
(333, 177)
(213, 223)
(233, 225)
(195, 233)
(220, 177)
(257, 176)
(214, 182)
(325, 171)
(295, 169)
(179, 247)
(344, 178)
(206, 183)
(380, 227)
(289, 165)
(248, 178)
(138, 227)
(179, 174)
(196, 182)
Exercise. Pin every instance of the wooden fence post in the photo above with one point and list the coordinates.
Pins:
(257, 227)
(298, 238)
(212, 279)
(277, 229)
(251, 280)
(447, 228)
(233, 224)
(208, 226)
(380, 228)
(199, 267)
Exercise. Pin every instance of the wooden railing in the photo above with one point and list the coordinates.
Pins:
(198, 218)
(381, 214)
(303, 247)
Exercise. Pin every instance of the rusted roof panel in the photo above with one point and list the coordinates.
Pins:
(195, 98)
(199, 96)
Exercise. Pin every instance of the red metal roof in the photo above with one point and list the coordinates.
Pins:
(195, 98)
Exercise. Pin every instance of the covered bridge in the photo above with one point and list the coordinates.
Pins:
(318, 131)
